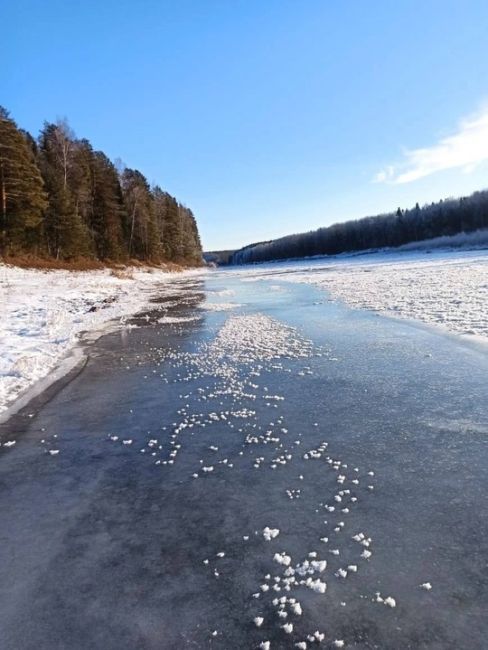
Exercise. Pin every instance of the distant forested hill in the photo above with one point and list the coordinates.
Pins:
(445, 218)
(61, 199)
(221, 258)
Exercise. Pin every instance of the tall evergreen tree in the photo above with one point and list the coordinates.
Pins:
(60, 198)
(22, 195)
(80, 181)
(143, 239)
(67, 234)
(172, 230)
(190, 240)
(177, 227)
(109, 215)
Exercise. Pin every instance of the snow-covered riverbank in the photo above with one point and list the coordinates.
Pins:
(44, 312)
(444, 288)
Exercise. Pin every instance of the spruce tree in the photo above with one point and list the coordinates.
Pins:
(109, 214)
(22, 195)
(172, 230)
(143, 239)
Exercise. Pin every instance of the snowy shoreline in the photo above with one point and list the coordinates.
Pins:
(444, 289)
(44, 314)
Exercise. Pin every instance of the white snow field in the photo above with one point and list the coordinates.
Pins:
(446, 289)
(44, 312)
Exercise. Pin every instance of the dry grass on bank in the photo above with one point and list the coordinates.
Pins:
(88, 264)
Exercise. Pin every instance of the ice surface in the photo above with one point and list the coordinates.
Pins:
(446, 289)
(280, 408)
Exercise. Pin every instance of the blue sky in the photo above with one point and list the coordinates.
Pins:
(265, 117)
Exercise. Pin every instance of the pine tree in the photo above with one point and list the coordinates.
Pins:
(172, 231)
(195, 253)
(109, 214)
(67, 234)
(59, 197)
(81, 181)
(191, 250)
(143, 239)
(22, 195)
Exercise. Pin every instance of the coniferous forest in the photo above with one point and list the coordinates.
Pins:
(442, 219)
(62, 200)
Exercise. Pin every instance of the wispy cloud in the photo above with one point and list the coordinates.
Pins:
(465, 149)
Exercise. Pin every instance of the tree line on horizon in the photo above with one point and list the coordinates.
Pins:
(444, 218)
(62, 199)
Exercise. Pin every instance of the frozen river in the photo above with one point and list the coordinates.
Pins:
(251, 466)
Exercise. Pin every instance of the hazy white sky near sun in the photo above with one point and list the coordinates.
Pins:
(266, 118)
